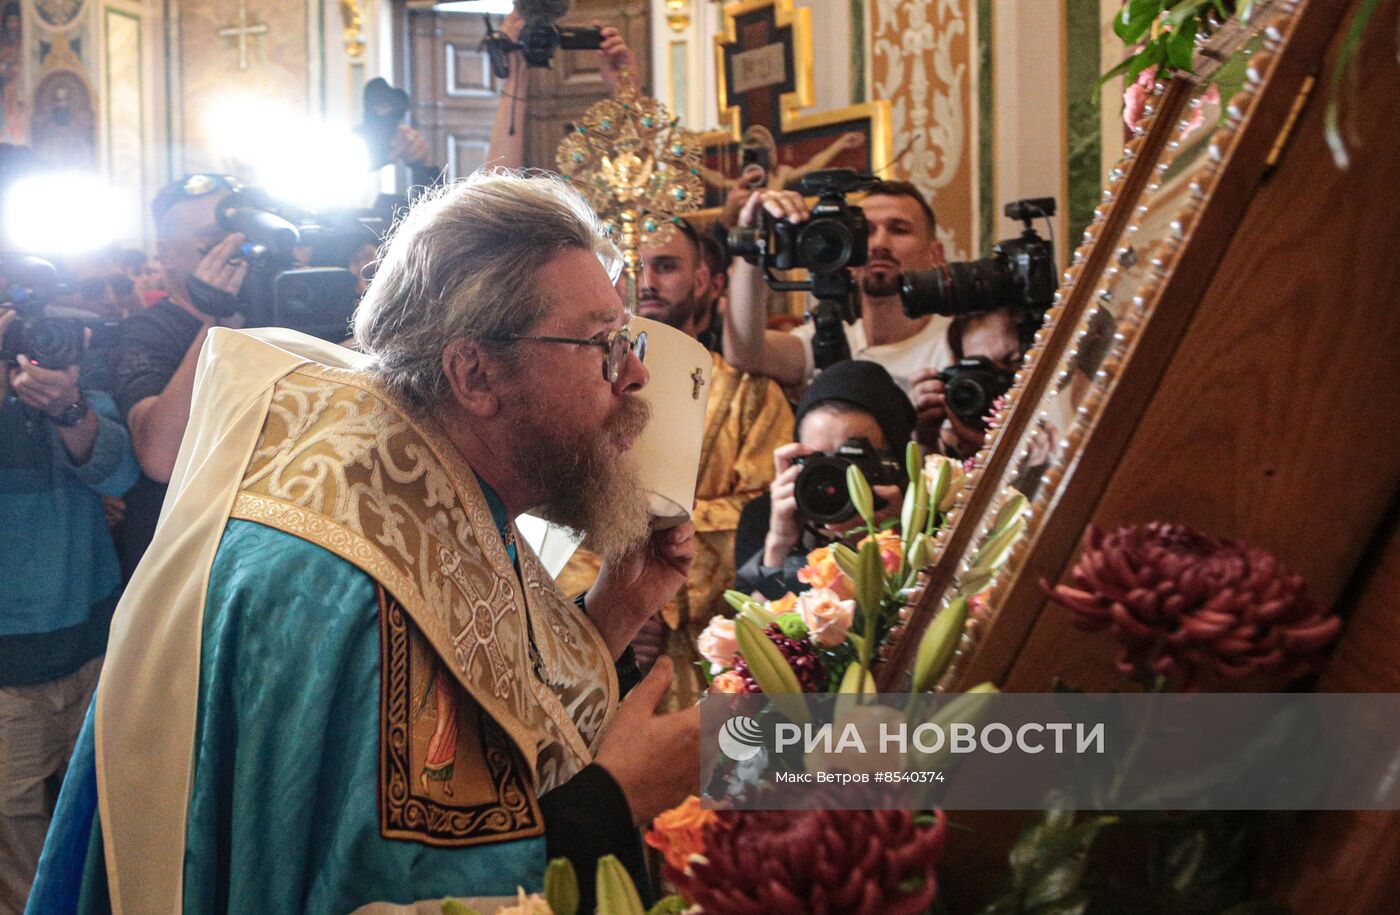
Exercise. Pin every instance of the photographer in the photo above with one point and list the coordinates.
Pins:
(992, 336)
(850, 400)
(156, 359)
(902, 237)
(63, 447)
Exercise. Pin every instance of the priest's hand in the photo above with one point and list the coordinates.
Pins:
(634, 587)
(633, 740)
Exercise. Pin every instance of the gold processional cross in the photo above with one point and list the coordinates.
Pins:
(243, 31)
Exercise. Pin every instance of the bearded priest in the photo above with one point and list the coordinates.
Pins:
(339, 681)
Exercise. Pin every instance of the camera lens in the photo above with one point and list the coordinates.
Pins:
(821, 493)
(925, 292)
(967, 399)
(745, 241)
(824, 246)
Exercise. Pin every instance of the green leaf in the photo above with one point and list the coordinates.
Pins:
(561, 887)
(770, 670)
(1136, 18)
(617, 895)
(671, 905)
(857, 642)
(861, 496)
(938, 645)
(453, 907)
(993, 553)
(1181, 46)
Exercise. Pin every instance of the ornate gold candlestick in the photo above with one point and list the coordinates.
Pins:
(637, 168)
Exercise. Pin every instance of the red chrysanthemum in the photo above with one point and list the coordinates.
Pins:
(1181, 602)
(815, 862)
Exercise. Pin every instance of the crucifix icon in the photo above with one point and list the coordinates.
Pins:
(243, 31)
(764, 65)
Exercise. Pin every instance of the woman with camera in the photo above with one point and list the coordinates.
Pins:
(853, 412)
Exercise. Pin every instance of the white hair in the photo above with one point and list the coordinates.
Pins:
(461, 264)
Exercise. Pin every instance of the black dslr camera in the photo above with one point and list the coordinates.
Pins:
(540, 37)
(820, 489)
(971, 386)
(51, 340)
(318, 299)
(832, 240)
(1020, 274)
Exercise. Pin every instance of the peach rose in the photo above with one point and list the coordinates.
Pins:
(728, 682)
(718, 643)
(785, 604)
(821, 571)
(891, 550)
(680, 832)
(827, 616)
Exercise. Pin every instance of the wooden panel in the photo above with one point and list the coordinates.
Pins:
(1277, 418)
(1334, 866)
(452, 90)
(561, 94)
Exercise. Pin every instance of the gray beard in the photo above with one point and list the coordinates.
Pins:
(589, 488)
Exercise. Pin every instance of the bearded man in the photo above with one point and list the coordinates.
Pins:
(746, 418)
(339, 682)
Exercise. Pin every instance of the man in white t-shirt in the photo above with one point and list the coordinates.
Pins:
(912, 350)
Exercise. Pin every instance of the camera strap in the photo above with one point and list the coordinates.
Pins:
(214, 302)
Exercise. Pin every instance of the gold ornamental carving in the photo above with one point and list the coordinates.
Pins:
(638, 169)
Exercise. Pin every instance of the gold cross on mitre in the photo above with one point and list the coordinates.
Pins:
(698, 378)
(243, 31)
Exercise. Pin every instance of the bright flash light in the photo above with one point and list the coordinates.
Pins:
(316, 165)
(320, 167)
(494, 7)
(67, 213)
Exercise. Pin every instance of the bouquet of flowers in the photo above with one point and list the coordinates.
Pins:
(827, 639)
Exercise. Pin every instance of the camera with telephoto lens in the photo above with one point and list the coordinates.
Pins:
(971, 386)
(316, 298)
(540, 36)
(833, 239)
(820, 489)
(50, 337)
(1020, 275)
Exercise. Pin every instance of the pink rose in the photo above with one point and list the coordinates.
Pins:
(718, 643)
(826, 615)
(1135, 97)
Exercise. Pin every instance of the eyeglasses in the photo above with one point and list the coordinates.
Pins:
(615, 347)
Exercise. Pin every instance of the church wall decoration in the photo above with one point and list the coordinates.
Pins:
(763, 67)
(63, 131)
(922, 63)
(124, 105)
(263, 53)
(58, 14)
(14, 106)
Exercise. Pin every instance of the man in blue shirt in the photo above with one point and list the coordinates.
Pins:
(61, 449)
